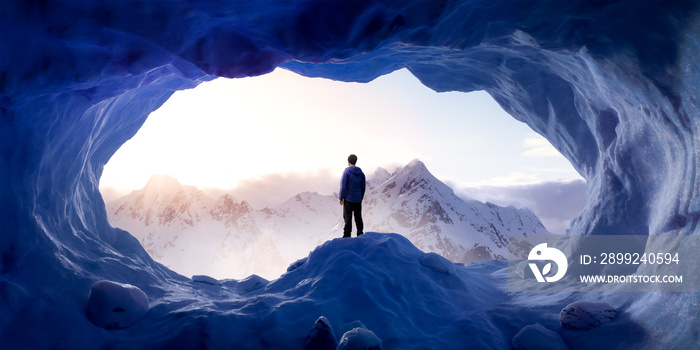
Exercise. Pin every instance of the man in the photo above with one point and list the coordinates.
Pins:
(352, 191)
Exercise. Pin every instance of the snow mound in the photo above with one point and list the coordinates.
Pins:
(206, 279)
(114, 305)
(293, 266)
(586, 315)
(321, 337)
(360, 339)
(437, 263)
(537, 337)
(250, 283)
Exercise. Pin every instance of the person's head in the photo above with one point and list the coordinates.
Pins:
(352, 159)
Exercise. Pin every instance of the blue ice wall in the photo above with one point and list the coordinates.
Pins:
(612, 84)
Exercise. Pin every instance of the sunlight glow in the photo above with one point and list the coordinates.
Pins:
(228, 131)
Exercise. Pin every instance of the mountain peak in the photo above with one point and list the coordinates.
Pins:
(378, 177)
(416, 164)
(381, 172)
(162, 183)
(416, 169)
(415, 177)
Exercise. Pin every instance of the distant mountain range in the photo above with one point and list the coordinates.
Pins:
(192, 233)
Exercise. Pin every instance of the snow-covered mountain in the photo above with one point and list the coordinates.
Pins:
(425, 210)
(194, 234)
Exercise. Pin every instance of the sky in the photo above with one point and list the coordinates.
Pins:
(275, 135)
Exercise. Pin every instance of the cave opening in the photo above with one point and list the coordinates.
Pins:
(80, 78)
(209, 168)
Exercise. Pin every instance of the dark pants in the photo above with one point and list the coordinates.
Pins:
(348, 210)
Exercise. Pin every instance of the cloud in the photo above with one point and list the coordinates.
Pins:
(538, 146)
(273, 189)
(110, 193)
(554, 202)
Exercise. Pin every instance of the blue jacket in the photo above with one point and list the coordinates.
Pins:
(352, 185)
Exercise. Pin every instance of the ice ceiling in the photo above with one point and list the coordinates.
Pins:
(611, 84)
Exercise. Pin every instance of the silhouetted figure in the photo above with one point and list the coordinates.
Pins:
(352, 191)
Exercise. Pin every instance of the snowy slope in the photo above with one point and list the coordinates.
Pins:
(193, 234)
(408, 298)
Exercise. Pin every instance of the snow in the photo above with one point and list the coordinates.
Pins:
(206, 279)
(612, 85)
(114, 305)
(250, 283)
(437, 263)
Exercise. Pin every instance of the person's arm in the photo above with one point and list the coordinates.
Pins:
(343, 186)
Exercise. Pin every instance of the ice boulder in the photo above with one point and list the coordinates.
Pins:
(321, 337)
(586, 315)
(536, 336)
(437, 263)
(360, 339)
(113, 305)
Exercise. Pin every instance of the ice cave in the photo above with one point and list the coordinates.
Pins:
(611, 84)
